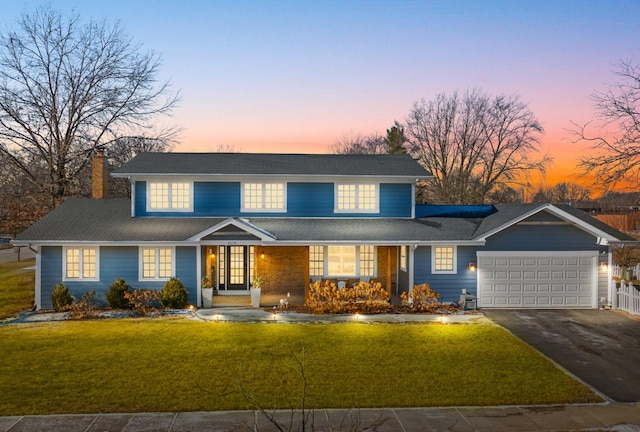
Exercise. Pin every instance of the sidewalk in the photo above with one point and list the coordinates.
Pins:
(610, 417)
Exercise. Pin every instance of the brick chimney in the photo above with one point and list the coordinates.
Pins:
(99, 175)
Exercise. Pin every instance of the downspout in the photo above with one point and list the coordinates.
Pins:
(198, 275)
(612, 290)
(410, 265)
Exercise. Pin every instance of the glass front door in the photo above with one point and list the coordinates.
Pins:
(233, 268)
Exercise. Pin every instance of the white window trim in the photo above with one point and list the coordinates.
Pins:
(244, 209)
(156, 278)
(376, 209)
(433, 260)
(80, 277)
(169, 209)
(325, 265)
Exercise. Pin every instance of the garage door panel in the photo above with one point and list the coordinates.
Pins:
(536, 281)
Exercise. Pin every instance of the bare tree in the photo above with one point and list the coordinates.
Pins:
(616, 138)
(473, 144)
(563, 193)
(67, 88)
(360, 144)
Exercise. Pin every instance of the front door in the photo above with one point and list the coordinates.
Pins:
(233, 268)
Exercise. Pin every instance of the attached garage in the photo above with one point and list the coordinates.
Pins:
(537, 279)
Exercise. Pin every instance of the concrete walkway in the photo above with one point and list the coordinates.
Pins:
(614, 417)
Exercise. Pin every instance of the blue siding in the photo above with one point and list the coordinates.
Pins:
(310, 199)
(449, 286)
(51, 272)
(223, 199)
(215, 199)
(115, 262)
(186, 267)
(395, 200)
(141, 198)
(541, 238)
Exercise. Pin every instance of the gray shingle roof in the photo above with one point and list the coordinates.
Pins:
(272, 164)
(510, 212)
(85, 219)
(88, 220)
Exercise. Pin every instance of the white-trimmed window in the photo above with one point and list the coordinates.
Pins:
(316, 260)
(269, 197)
(361, 198)
(403, 258)
(443, 259)
(80, 263)
(367, 260)
(170, 196)
(157, 263)
(342, 261)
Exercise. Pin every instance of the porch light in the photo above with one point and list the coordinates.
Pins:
(262, 256)
(604, 267)
(472, 267)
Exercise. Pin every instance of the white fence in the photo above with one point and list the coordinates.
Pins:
(634, 271)
(627, 298)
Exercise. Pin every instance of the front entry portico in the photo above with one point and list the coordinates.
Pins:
(229, 268)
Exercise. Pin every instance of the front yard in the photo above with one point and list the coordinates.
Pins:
(16, 287)
(177, 364)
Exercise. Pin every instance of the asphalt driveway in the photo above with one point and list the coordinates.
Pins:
(602, 348)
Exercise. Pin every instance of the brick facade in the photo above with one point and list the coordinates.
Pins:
(283, 268)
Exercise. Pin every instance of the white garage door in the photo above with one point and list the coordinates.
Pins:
(536, 279)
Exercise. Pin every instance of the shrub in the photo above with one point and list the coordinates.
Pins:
(142, 300)
(115, 295)
(84, 307)
(60, 297)
(173, 295)
(423, 299)
(363, 297)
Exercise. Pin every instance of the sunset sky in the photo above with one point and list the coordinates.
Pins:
(297, 76)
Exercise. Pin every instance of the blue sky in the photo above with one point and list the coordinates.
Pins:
(296, 76)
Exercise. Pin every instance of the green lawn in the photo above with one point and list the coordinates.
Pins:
(176, 364)
(16, 287)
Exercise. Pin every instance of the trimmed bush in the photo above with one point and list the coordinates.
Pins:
(60, 297)
(364, 297)
(85, 307)
(115, 295)
(173, 295)
(423, 299)
(142, 300)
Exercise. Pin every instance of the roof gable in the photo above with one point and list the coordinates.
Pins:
(233, 229)
(509, 215)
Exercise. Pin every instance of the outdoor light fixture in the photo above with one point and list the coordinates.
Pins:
(472, 266)
(604, 267)
(262, 255)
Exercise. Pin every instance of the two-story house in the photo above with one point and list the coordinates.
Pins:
(295, 218)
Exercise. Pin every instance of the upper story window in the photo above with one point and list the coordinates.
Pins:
(361, 198)
(443, 259)
(80, 263)
(169, 196)
(263, 197)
